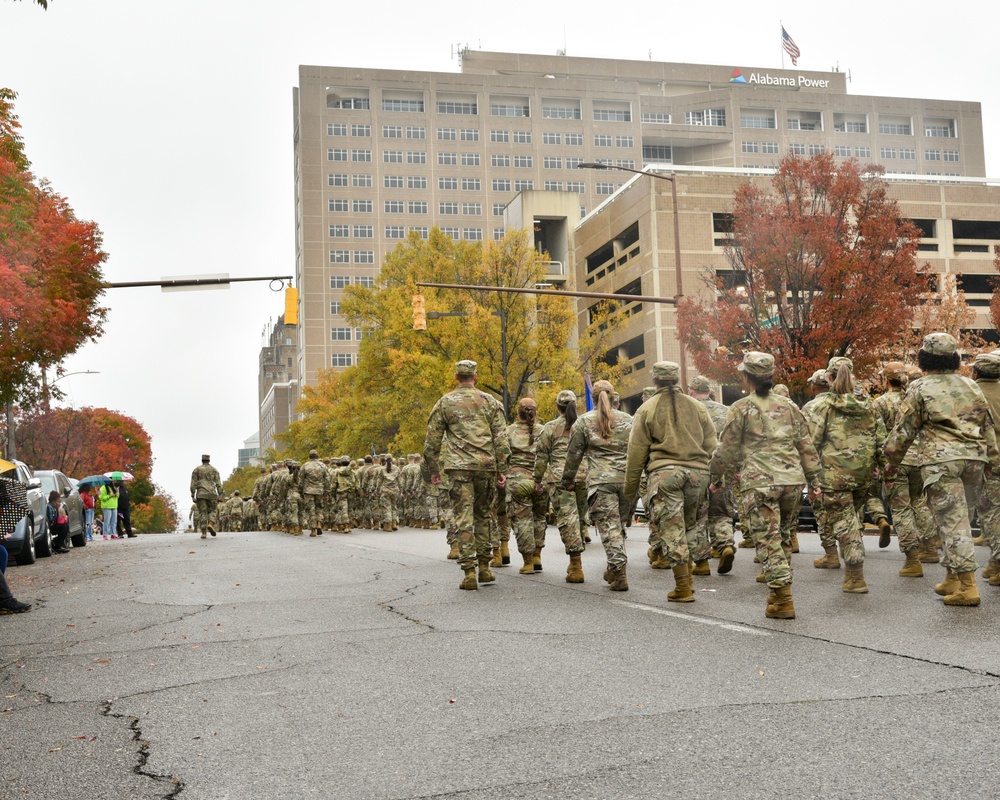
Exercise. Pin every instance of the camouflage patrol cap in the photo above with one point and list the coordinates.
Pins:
(666, 370)
(648, 391)
(819, 378)
(894, 370)
(939, 344)
(987, 365)
(565, 396)
(780, 389)
(313, 454)
(526, 402)
(465, 367)
(206, 458)
(839, 361)
(757, 365)
(236, 493)
(699, 383)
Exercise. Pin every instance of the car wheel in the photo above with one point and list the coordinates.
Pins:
(44, 546)
(80, 540)
(27, 554)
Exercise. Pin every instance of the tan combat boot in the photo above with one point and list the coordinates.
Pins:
(995, 580)
(619, 579)
(830, 561)
(504, 553)
(993, 568)
(681, 592)
(529, 564)
(536, 559)
(715, 552)
(204, 534)
(726, 558)
(854, 580)
(470, 580)
(912, 568)
(746, 542)
(701, 568)
(312, 532)
(762, 577)
(928, 553)
(497, 560)
(967, 593)
(980, 540)
(781, 607)
(574, 573)
(485, 576)
(453, 553)
(795, 547)
(948, 586)
(885, 532)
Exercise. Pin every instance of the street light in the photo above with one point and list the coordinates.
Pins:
(672, 177)
(79, 372)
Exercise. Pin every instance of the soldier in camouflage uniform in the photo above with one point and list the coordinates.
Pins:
(313, 484)
(257, 495)
(251, 515)
(946, 418)
(346, 486)
(849, 438)
(672, 440)
(276, 498)
(721, 505)
(986, 372)
(766, 440)
(472, 423)
(406, 494)
(601, 436)
(222, 514)
(206, 489)
(388, 494)
(819, 382)
(550, 457)
(527, 502)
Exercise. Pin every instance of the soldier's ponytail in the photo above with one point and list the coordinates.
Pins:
(569, 412)
(843, 383)
(526, 411)
(602, 391)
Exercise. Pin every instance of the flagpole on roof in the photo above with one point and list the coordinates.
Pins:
(781, 38)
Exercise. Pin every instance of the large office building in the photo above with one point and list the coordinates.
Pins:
(380, 154)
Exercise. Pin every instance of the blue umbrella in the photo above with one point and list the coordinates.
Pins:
(93, 480)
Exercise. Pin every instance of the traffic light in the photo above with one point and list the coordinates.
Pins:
(419, 313)
(291, 306)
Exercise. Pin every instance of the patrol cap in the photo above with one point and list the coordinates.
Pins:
(313, 454)
(839, 361)
(758, 365)
(565, 396)
(291, 462)
(699, 384)
(939, 344)
(894, 370)
(206, 458)
(465, 367)
(819, 378)
(666, 370)
(988, 365)
(780, 389)
(648, 391)
(526, 402)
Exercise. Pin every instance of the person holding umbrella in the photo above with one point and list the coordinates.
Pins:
(87, 488)
(109, 508)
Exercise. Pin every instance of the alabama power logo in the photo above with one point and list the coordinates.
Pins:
(763, 79)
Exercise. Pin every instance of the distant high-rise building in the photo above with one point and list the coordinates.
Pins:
(277, 389)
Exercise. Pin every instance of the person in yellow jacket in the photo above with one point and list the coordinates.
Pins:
(109, 508)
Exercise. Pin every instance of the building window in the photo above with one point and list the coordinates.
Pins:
(895, 126)
(816, 149)
(472, 209)
(395, 232)
(392, 181)
(416, 181)
(747, 147)
(656, 152)
(361, 155)
(340, 231)
(447, 183)
(612, 111)
(470, 159)
(393, 206)
(447, 134)
(498, 209)
(624, 141)
(355, 103)
(655, 117)
(715, 117)
(447, 208)
(392, 156)
(500, 160)
(416, 157)
(573, 163)
(502, 137)
(336, 129)
(850, 123)
(404, 105)
(341, 334)
(576, 186)
(523, 186)
(361, 181)
(602, 140)
(498, 234)
(362, 206)
(553, 108)
(416, 132)
(392, 131)
(574, 139)
(605, 188)
(522, 137)
(887, 152)
(364, 232)
(336, 154)
(364, 131)
(842, 150)
(337, 204)
(335, 307)
(455, 107)
(452, 232)
(804, 120)
(940, 128)
(551, 162)
(510, 107)
(472, 184)
(469, 134)
(340, 360)
(524, 161)
(417, 206)
(421, 231)
(797, 149)
(447, 159)
(932, 155)
(551, 138)
(908, 153)
(769, 147)
(364, 280)
(472, 234)
(628, 163)
(553, 186)
(862, 152)
(339, 281)
(951, 155)
(364, 256)
(336, 179)
(339, 257)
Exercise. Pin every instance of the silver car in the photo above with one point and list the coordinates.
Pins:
(54, 480)
(31, 537)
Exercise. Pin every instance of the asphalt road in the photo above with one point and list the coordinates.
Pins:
(260, 665)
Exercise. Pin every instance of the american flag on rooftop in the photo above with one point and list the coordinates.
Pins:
(788, 43)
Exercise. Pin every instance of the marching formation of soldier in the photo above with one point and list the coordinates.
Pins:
(923, 453)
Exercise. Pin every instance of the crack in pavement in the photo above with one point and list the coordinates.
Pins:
(176, 785)
(408, 592)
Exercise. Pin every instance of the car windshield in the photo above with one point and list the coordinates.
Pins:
(48, 484)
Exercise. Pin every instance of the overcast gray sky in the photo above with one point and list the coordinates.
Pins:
(169, 123)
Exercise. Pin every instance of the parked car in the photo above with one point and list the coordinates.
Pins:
(31, 537)
(54, 480)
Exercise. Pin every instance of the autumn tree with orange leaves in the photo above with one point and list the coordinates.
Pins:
(824, 265)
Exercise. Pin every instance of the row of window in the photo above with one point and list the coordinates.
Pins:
(847, 151)
(346, 334)
(845, 122)
(391, 232)
(468, 105)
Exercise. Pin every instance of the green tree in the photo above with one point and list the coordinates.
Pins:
(157, 515)
(241, 480)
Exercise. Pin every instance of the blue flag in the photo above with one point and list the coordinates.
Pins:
(588, 388)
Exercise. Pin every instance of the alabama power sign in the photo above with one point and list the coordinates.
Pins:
(765, 79)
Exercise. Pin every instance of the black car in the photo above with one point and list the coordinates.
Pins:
(31, 537)
(54, 480)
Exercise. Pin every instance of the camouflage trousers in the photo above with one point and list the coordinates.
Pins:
(766, 512)
(312, 511)
(953, 488)
(275, 513)
(500, 521)
(874, 504)
(719, 521)
(607, 506)
(989, 513)
(293, 511)
(205, 514)
(388, 508)
(911, 517)
(843, 510)
(564, 503)
(472, 495)
(527, 509)
(676, 501)
(341, 511)
(432, 512)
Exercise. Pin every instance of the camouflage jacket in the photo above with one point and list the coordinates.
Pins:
(471, 423)
(717, 412)
(279, 483)
(849, 436)
(314, 477)
(944, 416)
(205, 482)
(522, 453)
(550, 454)
(346, 480)
(766, 440)
(991, 391)
(605, 457)
(388, 482)
(258, 486)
